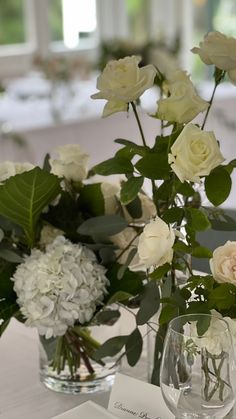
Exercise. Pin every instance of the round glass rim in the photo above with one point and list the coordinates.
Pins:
(204, 335)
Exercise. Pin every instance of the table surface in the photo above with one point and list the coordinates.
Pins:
(22, 396)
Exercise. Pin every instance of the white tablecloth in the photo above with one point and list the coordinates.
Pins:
(22, 396)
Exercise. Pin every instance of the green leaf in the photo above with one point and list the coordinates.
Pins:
(160, 272)
(24, 196)
(7, 311)
(182, 247)
(197, 219)
(222, 297)
(6, 285)
(131, 147)
(10, 255)
(201, 252)
(154, 166)
(119, 296)
(173, 215)
(130, 189)
(168, 313)
(134, 208)
(185, 189)
(107, 316)
(129, 259)
(131, 283)
(104, 225)
(223, 225)
(203, 325)
(150, 303)
(134, 347)
(115, 165)
(91, 199)
(111, 347)
(218, 186)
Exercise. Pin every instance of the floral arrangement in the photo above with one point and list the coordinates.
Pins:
(61, 69)
(61, 241)
(72, 246)
(184, 162)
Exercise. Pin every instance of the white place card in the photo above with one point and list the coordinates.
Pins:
(131, 398)
(87, 410)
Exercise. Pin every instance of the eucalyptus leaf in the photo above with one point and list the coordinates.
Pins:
(10, 255)
(108, 317)
(150, 303)
(104, 225)
(24, 196)
(118, 297)
(111, 347)
(133, 347)
(129, 259)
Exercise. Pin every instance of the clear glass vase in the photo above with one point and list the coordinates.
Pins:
(67, 364)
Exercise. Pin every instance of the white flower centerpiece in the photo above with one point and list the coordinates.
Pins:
(61, 239)
(72, 246)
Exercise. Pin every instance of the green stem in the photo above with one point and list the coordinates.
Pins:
(128, 245)
(154, 188)
(217, 82)
(84, 334)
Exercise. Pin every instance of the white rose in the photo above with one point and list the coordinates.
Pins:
(110, 191)
(195, 153)
(155, 243)
(183, 104)
(122, 81)
(72, 163)
(219, 50)
(223, 263)
(9, 168)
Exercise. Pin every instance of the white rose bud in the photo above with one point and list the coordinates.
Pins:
(72, 163)
(195, 153)
(9, 168)
(155, 243)
(183, 104)
(122, 81)
(223, 263)
(218, 49)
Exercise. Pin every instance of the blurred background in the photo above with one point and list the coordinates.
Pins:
(51, 52)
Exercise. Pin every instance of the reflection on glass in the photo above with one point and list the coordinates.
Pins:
(197, 367)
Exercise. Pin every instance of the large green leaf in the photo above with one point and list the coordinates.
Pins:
(24, 196)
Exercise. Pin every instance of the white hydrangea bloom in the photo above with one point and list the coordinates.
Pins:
(59, 287)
